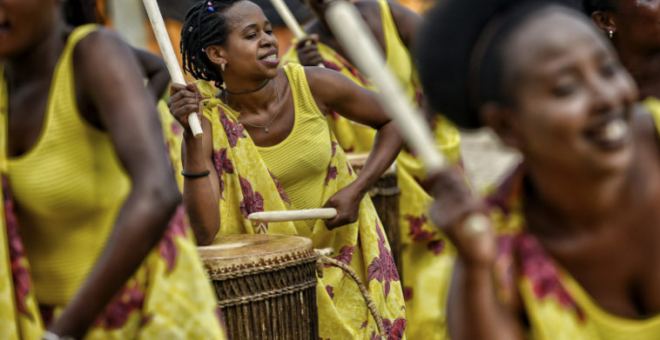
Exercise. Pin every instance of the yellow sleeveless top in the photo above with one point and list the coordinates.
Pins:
(397, 55)
(68, 189)
(300, 162)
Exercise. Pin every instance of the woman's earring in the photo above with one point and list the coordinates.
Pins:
(222, 67)
(611, 34)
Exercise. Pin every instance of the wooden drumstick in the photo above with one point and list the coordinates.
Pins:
(158, 26)
(293, 215)
(290, 21)
(356, 38)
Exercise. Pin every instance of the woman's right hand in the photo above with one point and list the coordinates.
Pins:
(308, 51)
(183, 101)
(453, 209)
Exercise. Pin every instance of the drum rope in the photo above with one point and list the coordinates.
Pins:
(267, 295)
(323, 259)
(275, 265)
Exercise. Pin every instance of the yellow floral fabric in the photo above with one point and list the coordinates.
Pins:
(248, 186)
(557, 307)
(168, 297)
(427, 256)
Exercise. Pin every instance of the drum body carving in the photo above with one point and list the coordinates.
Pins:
(385, 197)
(266, 285)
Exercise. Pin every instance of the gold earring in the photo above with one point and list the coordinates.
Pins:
(611, 34)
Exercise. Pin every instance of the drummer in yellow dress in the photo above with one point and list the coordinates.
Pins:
(267, 147)
(93, 243)
(426, 254)
(573, 249)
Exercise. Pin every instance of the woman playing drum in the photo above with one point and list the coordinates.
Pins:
(268, 147)
(102, 251)
(573, 251)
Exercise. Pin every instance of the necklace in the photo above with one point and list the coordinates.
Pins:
(265, 127)
(246, 92)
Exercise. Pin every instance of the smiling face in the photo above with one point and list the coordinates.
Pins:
(251, 48)
(570, 107)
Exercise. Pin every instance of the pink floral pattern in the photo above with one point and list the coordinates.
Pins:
(252, 202)
(436, 246)
(408, 293)
(233, 129)
(522, 250)
(222, 165)
(167, 246)
(130, 299)
(416, 229)
(394, 330)
(350, 170)
(283, 194)
(329, 289)
(383, 268)
(20, 274)
(332, 174)
(345, 256)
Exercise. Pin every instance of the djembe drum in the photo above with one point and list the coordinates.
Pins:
(385, 197)
(266, 285)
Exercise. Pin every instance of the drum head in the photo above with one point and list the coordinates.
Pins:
(245, 250)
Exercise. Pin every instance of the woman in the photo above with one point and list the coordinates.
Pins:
(572, 252)
(267, 147)
(426, 254)
(102, 252)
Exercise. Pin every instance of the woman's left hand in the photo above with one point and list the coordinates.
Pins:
(347, 202)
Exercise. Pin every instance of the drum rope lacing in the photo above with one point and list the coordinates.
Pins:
(319, 257)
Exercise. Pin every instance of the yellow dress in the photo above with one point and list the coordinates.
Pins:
(556, 305)
(426, 254)
(247, 185)
(69, 189)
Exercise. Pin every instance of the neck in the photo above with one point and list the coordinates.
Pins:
(251, 101)
(573, 203)
(644, 66)
(38, 61)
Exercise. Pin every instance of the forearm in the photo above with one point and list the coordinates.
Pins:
(474, 311)
(387, 146)
(139, 226)
(198, 193)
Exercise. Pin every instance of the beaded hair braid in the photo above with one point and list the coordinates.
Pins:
(204, 26)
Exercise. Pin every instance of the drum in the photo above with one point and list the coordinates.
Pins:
(385, 196)
(266, 285)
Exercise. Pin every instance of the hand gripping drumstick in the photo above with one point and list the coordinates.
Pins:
(354, 35)
(171, 61)
(290, 21)
(293, 215)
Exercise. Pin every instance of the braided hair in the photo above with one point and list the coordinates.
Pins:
(204, 26)
(591, 6)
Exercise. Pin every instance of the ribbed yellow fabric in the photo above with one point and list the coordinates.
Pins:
(397, 54)
(68, 188)
(300, 162)
(609, 326)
